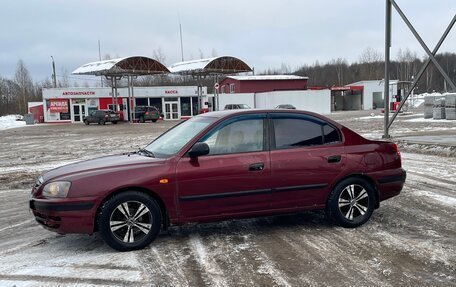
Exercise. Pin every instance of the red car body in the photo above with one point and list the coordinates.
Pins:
(221, 187)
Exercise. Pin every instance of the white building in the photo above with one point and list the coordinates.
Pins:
(72, 104)
(373, 93)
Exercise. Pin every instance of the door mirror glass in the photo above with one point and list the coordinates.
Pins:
(199, 149)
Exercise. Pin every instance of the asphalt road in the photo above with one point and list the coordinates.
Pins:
(409, 241)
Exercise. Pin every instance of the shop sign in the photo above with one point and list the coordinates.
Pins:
(58, 106)
(78, 93)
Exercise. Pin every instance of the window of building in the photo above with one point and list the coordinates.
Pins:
(240, 136)
(156, 102)
(231, 88)
(296, 132)
(185, 106)
(195, 106)
(141, 101)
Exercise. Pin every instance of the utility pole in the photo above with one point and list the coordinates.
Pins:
(387, 62)
(182, 45)
(54, 80)
(99, 59)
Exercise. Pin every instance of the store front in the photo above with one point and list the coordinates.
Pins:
(73, 104)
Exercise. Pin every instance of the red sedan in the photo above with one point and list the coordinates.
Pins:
(217, 166)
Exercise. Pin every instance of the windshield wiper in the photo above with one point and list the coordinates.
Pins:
(146, 152)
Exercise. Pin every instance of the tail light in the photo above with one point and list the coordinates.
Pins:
(147, 113)
(396, 149)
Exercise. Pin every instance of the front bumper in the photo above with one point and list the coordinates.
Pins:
(65, 215)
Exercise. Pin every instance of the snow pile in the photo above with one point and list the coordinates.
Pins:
(11, 121)
(418, 99)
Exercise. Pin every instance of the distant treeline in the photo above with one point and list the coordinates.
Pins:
(15, 93)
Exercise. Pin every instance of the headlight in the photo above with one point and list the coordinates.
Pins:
(57, 189)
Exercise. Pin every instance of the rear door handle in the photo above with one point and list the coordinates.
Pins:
(256, 166)
(334, 158)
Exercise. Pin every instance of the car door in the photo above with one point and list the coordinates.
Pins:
(234, 178)
(307, 154)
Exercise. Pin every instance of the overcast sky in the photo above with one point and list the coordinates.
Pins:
(263, 33)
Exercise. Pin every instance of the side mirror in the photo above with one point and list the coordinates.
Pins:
(199, 149)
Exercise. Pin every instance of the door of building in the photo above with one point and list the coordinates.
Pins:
(172, 111)
(78, 112)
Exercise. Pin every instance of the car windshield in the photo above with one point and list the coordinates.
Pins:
(169, 143)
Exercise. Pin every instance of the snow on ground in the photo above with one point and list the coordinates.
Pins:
(9, 122)
(409, 241)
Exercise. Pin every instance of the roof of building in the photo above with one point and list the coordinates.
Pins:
(136, 65)
(267, 77)
(379, 82)
(216, 65)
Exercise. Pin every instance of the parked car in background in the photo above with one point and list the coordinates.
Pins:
(101, 117)
(218, 166)
(236, 106)
(147, 113)
(286, 106)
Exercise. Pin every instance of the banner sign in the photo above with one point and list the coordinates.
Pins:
(58, 106)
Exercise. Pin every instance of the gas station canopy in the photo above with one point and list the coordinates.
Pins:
(216, 65)
(133, 66)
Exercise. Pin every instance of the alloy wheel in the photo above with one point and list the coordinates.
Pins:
(353, 202)
(131, 221)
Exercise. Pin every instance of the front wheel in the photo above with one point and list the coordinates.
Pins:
(86, 122)
(154, 121)
(101, 122)
(351, 202)
(129, 221)
(141, 119)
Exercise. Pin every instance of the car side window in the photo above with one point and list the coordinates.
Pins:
(296, 132)
(244, 135)
(330, 134)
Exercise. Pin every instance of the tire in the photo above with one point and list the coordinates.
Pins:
(86, 122)
(154, 121)
(141, 119)
(114, 122)
(351, 202)
(102, 122)
(128, 233)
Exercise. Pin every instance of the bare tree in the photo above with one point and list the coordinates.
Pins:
(371, 64)
(159, 55)
(64, 79)
(24, 81)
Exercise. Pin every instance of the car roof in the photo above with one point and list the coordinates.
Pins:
(229, 113)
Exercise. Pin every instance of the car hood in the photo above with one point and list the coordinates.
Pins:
(101, 163)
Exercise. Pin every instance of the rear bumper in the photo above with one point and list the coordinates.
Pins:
(390, 183)
(64, 215)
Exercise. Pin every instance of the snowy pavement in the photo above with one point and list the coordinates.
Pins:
(409, 241)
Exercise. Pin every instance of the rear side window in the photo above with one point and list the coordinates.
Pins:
(330, 134)
(295, 132)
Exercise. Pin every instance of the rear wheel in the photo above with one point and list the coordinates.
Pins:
(141, 119)
(154, 121)
(102, 122)
(86, 122)
(351, 202)
(129, 221)
(114, 122)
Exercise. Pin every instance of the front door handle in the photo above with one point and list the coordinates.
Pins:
(256, 166)
(334, 158)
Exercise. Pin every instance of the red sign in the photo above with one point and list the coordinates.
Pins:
(58, 106)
